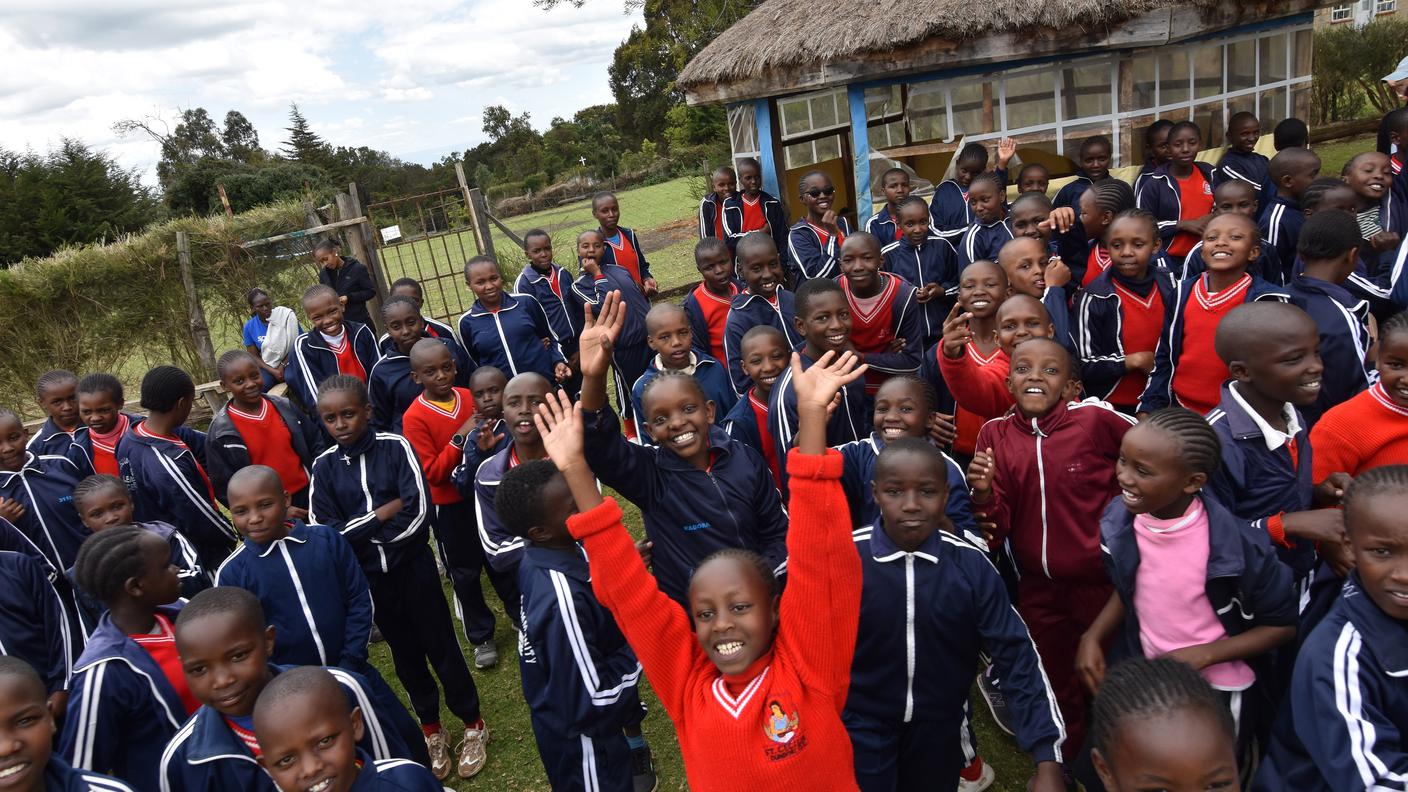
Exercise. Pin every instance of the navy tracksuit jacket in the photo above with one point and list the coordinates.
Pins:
(1159, 194)
(1343, 322)
(1280, 228)
(1343, 719)
(510, 338)
(807, 258)
(631, 354)
(579, 674)
(690, 513)
(562, 306)
(393, 775)
(1070, 193)
(1098, 334)
(747, 312)
(851, 421)
(502, 549)
(608, 253)
(354, 281)
(33, 626)
(226, 453)
(1256, 483)
(924, 618)
(981, 241)
(207, 755)
(313, 591)
(44, 486)
(883, 227)
(59, 776)
(1250, 167)
(949, 212)
(934, 261)
(708, 372)
(773, 213)
(312, 361)
(858, 473)
(167, 485)
(50, 440)
(391, 389)
(121, 708)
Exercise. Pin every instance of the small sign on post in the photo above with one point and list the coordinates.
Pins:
(390, 234)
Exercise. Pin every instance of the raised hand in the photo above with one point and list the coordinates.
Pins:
(600, 333)
(1006, 148)
(819, 385)
(957, 333)
(561, 371)
(559, 421)
(980, 473)
(484, 439)
(1061, 219)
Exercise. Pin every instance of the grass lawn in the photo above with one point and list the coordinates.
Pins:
(1334, 155)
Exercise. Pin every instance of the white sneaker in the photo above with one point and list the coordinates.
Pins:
(473, 751)
(983, 781)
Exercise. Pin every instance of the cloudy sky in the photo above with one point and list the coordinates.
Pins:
(409, 78)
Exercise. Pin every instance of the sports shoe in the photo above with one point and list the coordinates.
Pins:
(376, 636)
(486, 655)
(983, 781)
(439, 748)
(643, 771)
(991, 687)
(473, 753)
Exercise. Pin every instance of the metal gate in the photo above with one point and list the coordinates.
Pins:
(428, 237)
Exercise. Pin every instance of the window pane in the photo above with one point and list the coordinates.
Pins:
(1086, 90)
(928, 119)
(1273, 108)
(1272, 52)
(799, 155)
(828, 148)
(1135, 152)
(742, 129)
(796, 118)
(1301, 59)
(1173, 77)
(1143, 68)
(1237, 104)
(1031, 100)
(886, 136)
(973, 109)
(1072, 137)
(881, 102)
(1300, 101)
(1209, 118)
(824, 111)
(1241, 65)
(1207, 70)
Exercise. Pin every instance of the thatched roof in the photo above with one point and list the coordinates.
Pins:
(802, 33)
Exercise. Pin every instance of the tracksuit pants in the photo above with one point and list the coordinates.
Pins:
(579, 763)
(1057, 613)
(919, 756)
(415, 620)
(457, 534)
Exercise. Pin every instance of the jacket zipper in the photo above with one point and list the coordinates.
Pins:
(909, 637)
(1041, 478)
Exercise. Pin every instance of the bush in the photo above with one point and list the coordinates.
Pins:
(1350, 63)
(505, 190)
(106, 307)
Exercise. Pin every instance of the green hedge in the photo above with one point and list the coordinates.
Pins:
(120, 307)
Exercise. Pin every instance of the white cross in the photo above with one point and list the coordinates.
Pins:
(582, 160)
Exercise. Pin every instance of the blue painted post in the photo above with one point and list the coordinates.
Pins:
(860, 151)
(762, 122)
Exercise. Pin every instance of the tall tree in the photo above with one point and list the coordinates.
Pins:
(303, 143)
(241, 139)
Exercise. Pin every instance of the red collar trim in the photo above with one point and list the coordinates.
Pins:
(263, 411)
(454, 413)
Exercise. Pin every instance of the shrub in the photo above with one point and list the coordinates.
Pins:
(1350, 63)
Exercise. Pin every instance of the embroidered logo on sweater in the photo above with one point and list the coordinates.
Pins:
(782, 726)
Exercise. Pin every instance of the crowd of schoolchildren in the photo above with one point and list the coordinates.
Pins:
(1132, 458)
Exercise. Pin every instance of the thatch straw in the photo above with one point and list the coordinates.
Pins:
(799, 33)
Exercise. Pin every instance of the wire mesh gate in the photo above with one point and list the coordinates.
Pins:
(428, 237)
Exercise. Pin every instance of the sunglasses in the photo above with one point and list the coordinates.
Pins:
(817, 192)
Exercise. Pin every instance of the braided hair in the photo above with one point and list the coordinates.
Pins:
(747, 558)
(1198, 442)
(987, 177)
(1143, 215)
(1316, 191)
(928, 396)
(1112, 195)
(100, 482)
(1327, 235)
(1394, 324)
(399, 299)
(102, 382)
(1384, 480)
(343, 383)
(54, 378)
(107, 560)
(1139, 688)
(519, 500)
(164, 386)
(672, 375)
(230, 358)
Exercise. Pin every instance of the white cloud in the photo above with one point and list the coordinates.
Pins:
(72, 68)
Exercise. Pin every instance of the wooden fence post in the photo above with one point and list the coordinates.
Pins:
(200, 331)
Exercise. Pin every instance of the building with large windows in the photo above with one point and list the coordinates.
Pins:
(851, 87)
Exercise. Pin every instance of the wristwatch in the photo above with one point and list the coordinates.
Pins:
(458, 441)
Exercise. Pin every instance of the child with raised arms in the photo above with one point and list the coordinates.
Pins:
(254, 428)
(824, 322)
(987, 199)
(1047, 514)
(1342, 722)
(1094, 165)
(884, 314)
(1242, 162)
(308, 733)
(754, 209)
(56, 392)
(1120, 314)
(507, 331)
(36, 495)
(1179, 194)
(631, 354)
(764, 355)
(163, 463)
(1158, 723)
(884, 225)
(579, 675)
(390, 385)
(370, 488)
(1237, 197)
(1179, 560)
(669, 335)
(1370, 429)
(707, 304)
(551, 285)
(756, 691)
(1186, 371)
(27, 730)
(698, 490)
(930, 604)
(723, 184)
(440, 424)
(1327, 255)
(765, 302)
(224, 647)
(620, 245)
(814, 243)
(926, 261)
(1291, 171)
(129, 694)
(333, 346)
